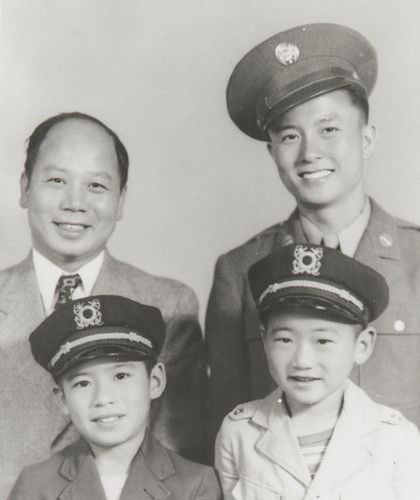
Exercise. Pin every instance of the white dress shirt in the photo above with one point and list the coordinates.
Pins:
(348, 237)
(47, 274)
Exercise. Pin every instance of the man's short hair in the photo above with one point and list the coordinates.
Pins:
(38, 135)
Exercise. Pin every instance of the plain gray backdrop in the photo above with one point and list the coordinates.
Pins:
(156, 72)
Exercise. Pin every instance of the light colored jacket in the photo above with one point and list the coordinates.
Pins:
(155, 473)
(32, 425)
(374, 454)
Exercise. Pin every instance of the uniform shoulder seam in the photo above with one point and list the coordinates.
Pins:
(390, 416)
(245, 410)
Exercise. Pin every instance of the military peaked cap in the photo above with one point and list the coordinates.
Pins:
(96, 327)
(319, 277)
(294, 66)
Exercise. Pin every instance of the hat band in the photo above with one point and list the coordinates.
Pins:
(301, 90)
(68, 346)
(339, 292)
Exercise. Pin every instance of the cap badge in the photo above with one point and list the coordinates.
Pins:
(307, 260)
(287, 53)
(87, 314)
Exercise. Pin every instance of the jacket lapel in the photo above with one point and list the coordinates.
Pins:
(21, 310)
(80, 470)
(279, 442)
(291, 232)
(351, 446)
(150, 467)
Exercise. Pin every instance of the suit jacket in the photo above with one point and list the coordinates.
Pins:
(237, 361)
(373, 454)
(154, 473)
(31, 423)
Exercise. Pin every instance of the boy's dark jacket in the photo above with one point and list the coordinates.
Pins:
(155, 473)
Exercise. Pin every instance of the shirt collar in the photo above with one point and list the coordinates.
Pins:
(47, 274)
(349, 237)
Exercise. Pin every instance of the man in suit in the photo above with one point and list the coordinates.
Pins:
(305, 92)
(73, 188)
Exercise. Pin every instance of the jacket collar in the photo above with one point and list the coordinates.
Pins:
(380, 238)
(353, 440)
(149, 468)
(279, 442)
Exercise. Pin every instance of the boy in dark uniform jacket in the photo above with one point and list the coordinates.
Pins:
(102, 352)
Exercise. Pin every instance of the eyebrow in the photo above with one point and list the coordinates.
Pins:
(281, 329)
(285, 126)
(122, 364)
(72, 376)
(93, 173)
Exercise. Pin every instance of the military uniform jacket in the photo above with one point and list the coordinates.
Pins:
(373, 454)
(237, 361)
(31, 422)
(155, 473)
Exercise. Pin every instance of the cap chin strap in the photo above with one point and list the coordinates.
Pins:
(99, 337)
(314, 285)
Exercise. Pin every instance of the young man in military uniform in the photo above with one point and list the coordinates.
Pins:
(305, 92)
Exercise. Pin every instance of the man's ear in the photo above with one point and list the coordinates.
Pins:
(369, 141)
(121, 202)
(61, 399)
(157, 380)
(24, 184)
(365, 344)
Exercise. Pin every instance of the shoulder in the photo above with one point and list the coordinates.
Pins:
(244, 411)
(33, 479)
(384, 222)
(192, 476)
(236, 424)
(131, 273)
(253, 249)
(15, 271)
(183, 466)
(145, 287)
(390, 416)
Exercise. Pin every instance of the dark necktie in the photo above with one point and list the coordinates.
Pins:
(66, 285)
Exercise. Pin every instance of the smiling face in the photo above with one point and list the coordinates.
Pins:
(319, 147)
(73, 197)
(109, 401)
(311, 355)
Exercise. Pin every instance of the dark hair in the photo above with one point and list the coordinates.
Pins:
(150, 363)
(38, 135)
